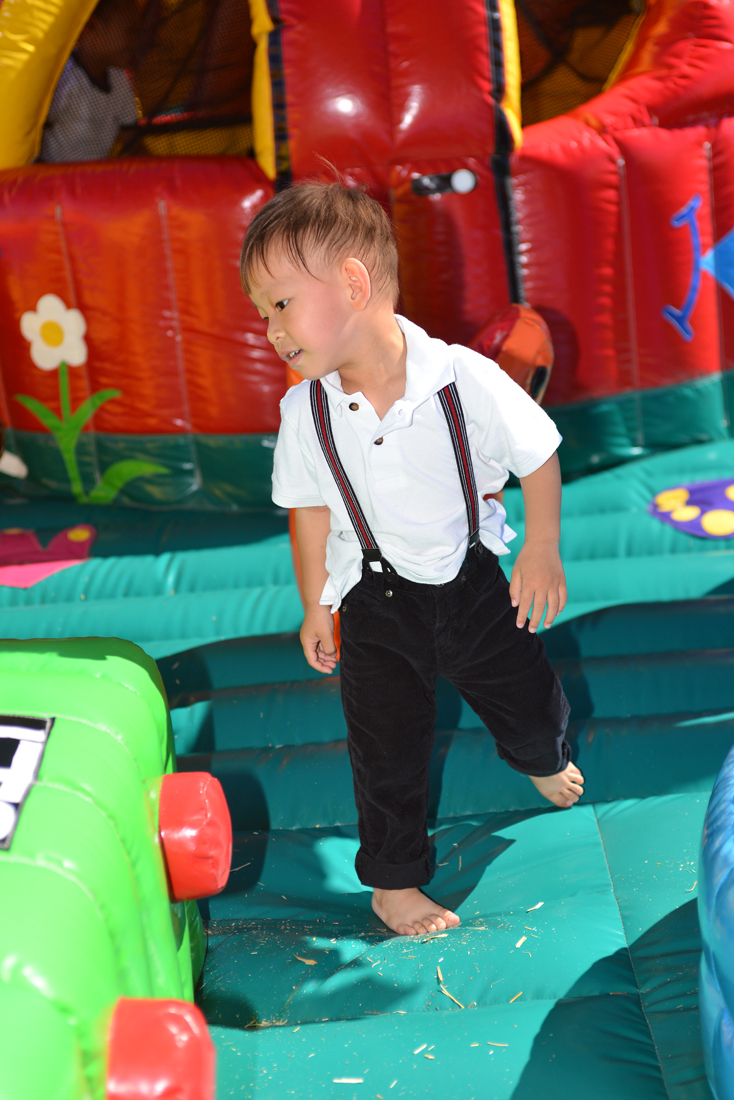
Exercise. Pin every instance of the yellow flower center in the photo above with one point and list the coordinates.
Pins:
(685, 513)
(670, 499)
(52, 333)
(79, 534)
(719, 521)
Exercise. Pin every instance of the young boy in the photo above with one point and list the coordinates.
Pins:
(387, 452)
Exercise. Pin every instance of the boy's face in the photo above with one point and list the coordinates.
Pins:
(309, 316)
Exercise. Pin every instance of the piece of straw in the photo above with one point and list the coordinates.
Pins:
(447, 994)
(516, 996)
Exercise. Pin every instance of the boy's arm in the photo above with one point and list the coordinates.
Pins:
(537, 576)
(317, 632)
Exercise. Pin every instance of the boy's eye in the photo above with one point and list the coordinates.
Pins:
(281, 304)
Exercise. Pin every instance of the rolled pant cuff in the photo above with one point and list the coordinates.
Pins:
(392, 876)
(541, 766)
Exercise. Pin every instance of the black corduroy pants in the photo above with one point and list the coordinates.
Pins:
(392, 650)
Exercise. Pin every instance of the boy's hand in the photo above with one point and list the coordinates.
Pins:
(317, 638)
(537, 579)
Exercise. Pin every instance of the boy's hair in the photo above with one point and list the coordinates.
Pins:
(328, 218)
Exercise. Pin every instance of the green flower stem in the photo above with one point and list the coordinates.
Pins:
(66, 437)
(66, 433)
(64, 399)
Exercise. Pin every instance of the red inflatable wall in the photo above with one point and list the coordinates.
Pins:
(403, 89)
(618, 206)
(148, 250)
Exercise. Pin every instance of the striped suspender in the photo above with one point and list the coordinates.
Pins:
(451, 405)
(322, 421)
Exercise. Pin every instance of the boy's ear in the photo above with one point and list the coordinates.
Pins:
(357, 282)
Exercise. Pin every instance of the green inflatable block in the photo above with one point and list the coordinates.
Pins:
(55, 1073)
(54, 940)
(85, 738)
(83, 759)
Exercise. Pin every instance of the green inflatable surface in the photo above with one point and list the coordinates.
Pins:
(575, 967)
(169, 581)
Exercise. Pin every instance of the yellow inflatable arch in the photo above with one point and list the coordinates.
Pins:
(36, 38)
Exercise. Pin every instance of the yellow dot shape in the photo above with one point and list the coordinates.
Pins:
(52, 334)
(686, 513)
(14, 531)
(670, 499)
(79, 534)
(729, 491)
(719, 521)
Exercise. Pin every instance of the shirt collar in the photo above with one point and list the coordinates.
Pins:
(428, 368)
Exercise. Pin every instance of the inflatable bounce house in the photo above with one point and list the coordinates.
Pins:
(560, 175)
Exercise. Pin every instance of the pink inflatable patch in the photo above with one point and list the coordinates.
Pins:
(24, 562)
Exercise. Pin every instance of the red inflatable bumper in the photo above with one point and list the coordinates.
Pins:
(196, 834)
(159, 1050)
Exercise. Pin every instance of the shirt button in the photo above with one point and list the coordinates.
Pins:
(379, 441)
(354, 406)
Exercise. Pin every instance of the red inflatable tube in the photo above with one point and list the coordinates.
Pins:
(159, 1050)
(167, 322)
(196, 835)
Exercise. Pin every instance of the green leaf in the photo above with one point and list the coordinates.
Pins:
(118, 474)
(48, 419)
(76, 422)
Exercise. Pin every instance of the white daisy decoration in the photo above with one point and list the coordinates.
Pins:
(55, 333)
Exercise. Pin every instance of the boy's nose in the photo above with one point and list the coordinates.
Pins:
(275, 330)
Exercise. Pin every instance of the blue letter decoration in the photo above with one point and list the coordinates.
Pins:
(679, 317)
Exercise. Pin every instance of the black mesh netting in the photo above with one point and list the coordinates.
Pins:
(568, 49)
(170, 79)
(192, 72)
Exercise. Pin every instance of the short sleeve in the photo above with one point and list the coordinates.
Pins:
(294, 474)
(509, 427)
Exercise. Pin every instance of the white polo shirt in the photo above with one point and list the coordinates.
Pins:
(409, 486)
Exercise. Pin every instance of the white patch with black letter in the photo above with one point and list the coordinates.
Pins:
(22, 745)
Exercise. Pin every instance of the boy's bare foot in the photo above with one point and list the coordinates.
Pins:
(411, 913)
(563, 789)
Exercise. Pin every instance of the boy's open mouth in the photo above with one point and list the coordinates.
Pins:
(291, 356)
